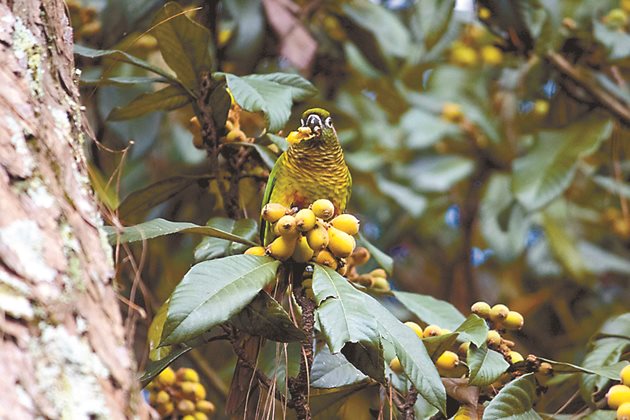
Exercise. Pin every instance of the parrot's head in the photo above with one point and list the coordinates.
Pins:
(318, 123)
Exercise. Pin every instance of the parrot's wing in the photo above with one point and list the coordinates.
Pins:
(349, 190)
(271, 182)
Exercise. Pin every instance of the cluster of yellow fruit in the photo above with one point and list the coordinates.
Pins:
(500, 318)
(310, 234)
(375, 279)
(618, 396)
(619, 223)
(83, 18)
(233, 131)
(474, 46)
(179, 395)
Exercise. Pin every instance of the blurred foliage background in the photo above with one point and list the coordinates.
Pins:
(488, 143)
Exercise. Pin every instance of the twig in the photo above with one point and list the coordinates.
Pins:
(410, 401)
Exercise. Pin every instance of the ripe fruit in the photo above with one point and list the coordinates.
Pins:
(162, 397)
(303, 252)
(515, 357)
(464, 413)
(463, 349)
(378, 272)
(255, 250)
(616, 19)
(346, 223)
(481, 309)
(484, 13)
(188, 417)
(447, 360)
(340, 243)
(186, 406)
(200, 416)
(452, 112)
(499, 312)
(625, 375)
(273, 211)
(493, 339)
(491, 55)
(286, 226)
(432, 331)
(324, 209)
(541, 107)
(166, 377)
(623, 412)
(617, 395)
(205, 407)
(305, 220)
(513, 321)
(396, 366)
(236, 135)
(415, 327)
(463, 56)
(282, 247)
(324, 257)
(165, 409)
(317, 237)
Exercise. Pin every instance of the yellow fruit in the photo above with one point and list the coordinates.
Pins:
(432, 331)
(625, 375)
(282, 247)
(541, 107)
(463, 56)
(188, 417)
(272, 212)
(166, 377)
(484, 13)
(324, 209)
(616, 18)
(617, 395)
(236, 135)
(200, 416)
(360, 256)
(255, 250)
(193, 390)
(286, 226)
(463, 349)
(341, 244)
(346, 223)
(481, 309)
(303, 252)
(165, 409)
(324, 257)
(162, 397)
(623, 412)
(296, 137)
(186, 406)
(465, 413)
(395, 366)
(452, 112)
(415, 327)
(318, 237)
(447, 360)
(515, 357)
(305, 220)
(205, 407)
(499, 312)
(513, 321)
(379, 272)
(379, 283)
(229, 125)
(493, 339)
(491, 55)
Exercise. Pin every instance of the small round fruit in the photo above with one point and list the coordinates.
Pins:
(303, 252)
(463, 349)
(617, 395)
(186, 406)
(395, 366)
(287, 226)
(165, 409)
(200, 416)
(491, 55)
(463, 56)
(541, 107)
(380, 283)
(341, 244)
(166, 377)
(481, 309)
(623, 412)
(513, 321)
(432, 331)
(625, 375)
(324, 257)
(494, 338)
(447, 360)
(346, 223)
(318, 237)
(515, 357)
(272, 212)
(205, 407)
(162, 397)
(360, 256)
(464, 413)
(499, 312)
(305, 220)
(255, 250)
(484, 13)
(452, 112)
(379, 272)
(616, 18)
(415, 327)
(236, 135)
(324, 209)
(282, 247)
(188, 417)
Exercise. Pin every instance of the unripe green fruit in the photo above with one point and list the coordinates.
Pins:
(395, 366)
(623, 412)
(379, 283)
(272, 212)
(286, 226)
(166, 377)
(303, 252)
(432, 331)
(318, 237)
(282, 247)
(617, 395)
(481, 309)
(205, 407)
(305, 220)
(346, 223)
(499, 312)
(324, 209)
(494, 338)
(415, 327)
(186, 406)
(447, 360)
(625, 375)
(515, 357)
(324, 257)
(255, 250)
(513, 321)
(341, 244)
(378, 272)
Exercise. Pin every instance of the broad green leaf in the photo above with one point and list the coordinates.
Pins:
(267, 318)
(279, 141)
(167, 99)
(439, 173)
(617, 43)
(618, 326)
(367, 357)
(600, 261)
(247, 37)
(431, 310)
(266, 155)
(154, 334)
(424, 129)
(160, 227)
(276, 359)
(563, 246)
(473, 329)
(213, 247)
(514, 402)
(431, 19)
(603, 352)
(212, 292)
(154, 368)
(142, 200)
(547, 169)
(600, 415)
(485, 365)
(612, 185)
(437, 345)
(185, 45)
(609, 371)
(121, 80)
(333, 370)
(382, 259)
(412, 202)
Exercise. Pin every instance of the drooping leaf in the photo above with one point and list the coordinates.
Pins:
(154, 368)
(515, 401)
(246, 41)
(167, 99)
(618, 326)
(431, 310)
(333, 370)
(382, 259)
(214, 247)
(148, 197)
(439, 173)
(106, 191)
(473, 329)
(617, 43)
(424, 129)
(212, 292)
(612, 186)
(154, 334)
(437, 345)
(160, 227)
(600, 261)
(609, 371)
(564, 247)
(367, 357)
(485, 365)
(603, 352)
(276, 360)
(121, 80)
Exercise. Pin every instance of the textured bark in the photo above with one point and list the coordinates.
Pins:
(62, 348)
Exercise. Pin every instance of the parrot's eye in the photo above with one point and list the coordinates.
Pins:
(328, 122)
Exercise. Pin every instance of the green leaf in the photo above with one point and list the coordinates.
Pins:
(142, 200)
(154, 368)
(618, 326)
(547, 169)
(431, 18)
(600, 261)
(612, 185)
(485, 365)
(439, 173)
(278, 359)
(610, 371)
(424, 129)
(604, 352)
(266, 155)
(160, 227)
(515, 401)
(121, 80)
(213, 247)
(437, 345)
(154, 334)
(185, 45)
(333, 370)
(265, 317)
(212, 292)
(473, 329)
(600, 415)
(412, 202)
(563, 245)
(167, 99)
(105, 190)
(431, 310)
(367, 357)
(382, 259)
(617, 43)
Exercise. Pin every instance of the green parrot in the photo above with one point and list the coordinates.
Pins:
(311, 169)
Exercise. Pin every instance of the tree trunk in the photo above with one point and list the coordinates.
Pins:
(62, 349)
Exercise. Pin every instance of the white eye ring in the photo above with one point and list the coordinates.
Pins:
(302, 122)
(328, 122)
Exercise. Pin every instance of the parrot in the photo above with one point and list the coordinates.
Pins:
(313, 167)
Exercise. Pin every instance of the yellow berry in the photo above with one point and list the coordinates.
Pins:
(165, 409)
(303, 252)
(499, 312)
(616, 18)
(205, 407)
(379, 283)
(463, 56)
(625, 375)
(493, 338)
(188, 417)
(617, 395)
(378, 272)
(491, 55)
(432, 331)
(200, 416)
(515, 357)
(318, 237)
(166, 377)
(236, 135)
(481, 309)
(324, 209)
(272, 212)
(395, 366)
(186, 406)
(324, 257)
(229, 125)
(282, 247)
(415, 327)
(452, 112)
(447, 360)
(341, 244)
(513, 321)
(162, 397)
(541, 107)
(623, 412)
(193, 390)
(463, 349)
(484, 13)
(296, 137)
(255, 250)
(286, 226)
(465, 413)
(360, 256)
(305, 220)
(346, 223)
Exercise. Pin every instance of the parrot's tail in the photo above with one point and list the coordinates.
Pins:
(242, 400)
